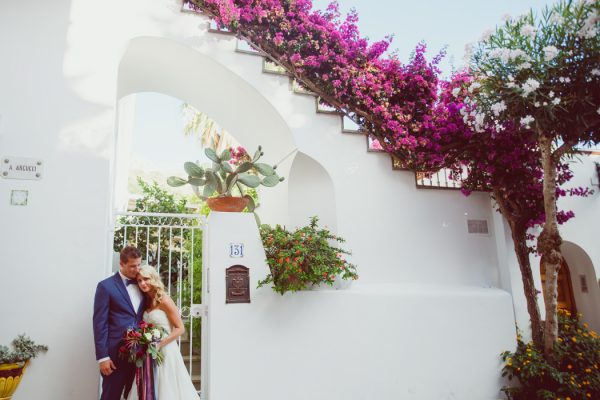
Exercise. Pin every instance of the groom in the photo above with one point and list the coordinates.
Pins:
(118, 305)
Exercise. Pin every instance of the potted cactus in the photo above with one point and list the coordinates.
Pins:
(220, 181)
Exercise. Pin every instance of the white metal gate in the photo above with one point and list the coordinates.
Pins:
(172, 243)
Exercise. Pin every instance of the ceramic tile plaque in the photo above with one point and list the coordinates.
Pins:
(21, 168)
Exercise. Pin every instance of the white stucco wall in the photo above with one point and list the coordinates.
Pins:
(370, 341)
(66, 66)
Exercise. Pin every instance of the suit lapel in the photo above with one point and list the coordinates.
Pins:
(121, 287)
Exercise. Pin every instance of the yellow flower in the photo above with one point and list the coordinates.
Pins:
(574, 339)
(588, 370)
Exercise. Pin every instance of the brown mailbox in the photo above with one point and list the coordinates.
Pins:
(237, 284)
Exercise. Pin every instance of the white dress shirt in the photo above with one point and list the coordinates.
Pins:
(135, 294)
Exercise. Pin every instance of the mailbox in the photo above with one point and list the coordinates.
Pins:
(237, 284)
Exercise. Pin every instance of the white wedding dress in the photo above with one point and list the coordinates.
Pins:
(173, 380)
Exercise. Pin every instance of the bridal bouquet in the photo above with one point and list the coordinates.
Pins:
(140, 348)
(142, 342)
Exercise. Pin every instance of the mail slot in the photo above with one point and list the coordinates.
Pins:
(237, 284)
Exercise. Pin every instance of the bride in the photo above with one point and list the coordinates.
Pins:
(173, 380)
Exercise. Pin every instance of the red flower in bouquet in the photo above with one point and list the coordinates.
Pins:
(142, 341)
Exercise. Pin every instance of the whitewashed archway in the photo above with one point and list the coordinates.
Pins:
(586, 290)
(152, 64)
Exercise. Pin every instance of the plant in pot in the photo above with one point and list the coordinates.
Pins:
(14, 362)
(225, 178)
(303, 257)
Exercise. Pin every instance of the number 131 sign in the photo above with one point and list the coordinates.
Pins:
(236, 250)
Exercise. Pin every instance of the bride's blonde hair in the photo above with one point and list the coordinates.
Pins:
(159, 288)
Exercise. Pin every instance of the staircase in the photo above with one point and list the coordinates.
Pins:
(423, 180)
(190, 358)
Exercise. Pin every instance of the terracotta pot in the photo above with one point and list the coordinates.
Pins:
(10, 376)
(227, 204)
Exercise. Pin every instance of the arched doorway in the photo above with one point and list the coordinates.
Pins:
(566, 298)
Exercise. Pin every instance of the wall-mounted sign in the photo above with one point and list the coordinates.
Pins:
(18, 197)
(21, 168)
(237, 284)
(236, 250)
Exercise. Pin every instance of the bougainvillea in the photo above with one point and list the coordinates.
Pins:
(327, 55)
(523, 76)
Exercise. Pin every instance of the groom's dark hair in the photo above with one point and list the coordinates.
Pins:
(128, 253)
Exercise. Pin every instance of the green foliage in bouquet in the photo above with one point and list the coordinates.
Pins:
(303, 257)
(570, 373)
(24, 349)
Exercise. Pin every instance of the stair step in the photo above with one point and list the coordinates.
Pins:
(269, 67)
(246, 48)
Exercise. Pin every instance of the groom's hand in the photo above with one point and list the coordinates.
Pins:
(107, 367)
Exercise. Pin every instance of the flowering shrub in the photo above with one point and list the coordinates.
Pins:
(571, 373)
(326, 53)
(302, 257)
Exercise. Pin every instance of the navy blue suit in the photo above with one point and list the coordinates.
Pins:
(113, 314)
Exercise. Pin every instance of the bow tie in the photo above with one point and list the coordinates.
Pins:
(130, 282)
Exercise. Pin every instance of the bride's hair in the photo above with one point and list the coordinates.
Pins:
(159, 288)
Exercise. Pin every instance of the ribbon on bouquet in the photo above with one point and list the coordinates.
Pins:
(145, 379)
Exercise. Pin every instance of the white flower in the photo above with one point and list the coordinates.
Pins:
(564, 80)
(551, 94)
(589, 29)
(468, 51)
(498, 108)
(537, 104)
(525, 121)
(528, 31)
(156, 334)
(455, 91)
(506, 17)
(525, 65)
(598, 110)
(556, 101)
(474, 85)
(545, 103)
(529, 86)
(550, 52)
(511, 85)
(479, 119)
(486, 35)
(596, 72)
(148, 336)
(556, 19)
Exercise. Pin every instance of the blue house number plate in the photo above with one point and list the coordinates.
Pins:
(236, 250)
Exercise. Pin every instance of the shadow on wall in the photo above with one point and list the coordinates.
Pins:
(311, 193)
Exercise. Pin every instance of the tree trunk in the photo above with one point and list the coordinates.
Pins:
(549, 243)
(518, 231)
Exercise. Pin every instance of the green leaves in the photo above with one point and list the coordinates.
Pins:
(222, 176)
(264, 169)
(193, 170)
(175, 181)
(303, 257)
(270, 181)
(249, 180)
(212, 155)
